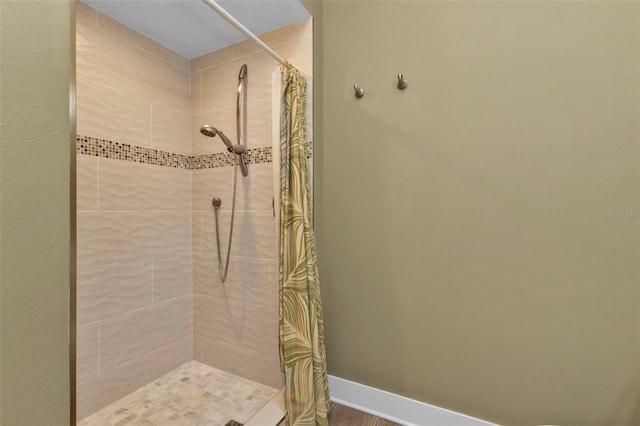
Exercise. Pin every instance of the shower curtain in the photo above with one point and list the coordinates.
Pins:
(302, 350)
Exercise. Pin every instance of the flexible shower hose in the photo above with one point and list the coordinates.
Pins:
(225, 269)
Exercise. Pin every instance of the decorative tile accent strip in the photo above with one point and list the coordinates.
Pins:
(209, 161)
(309, 149)
(121, 151)
(86, 145)
(221, 159)
(259, 155)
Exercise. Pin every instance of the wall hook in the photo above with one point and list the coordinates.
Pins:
(402, 83)
(359, 91)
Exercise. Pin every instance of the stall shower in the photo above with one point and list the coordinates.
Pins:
(161, 336)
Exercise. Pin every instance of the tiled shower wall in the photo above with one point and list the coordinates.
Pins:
(134, 309)
(149, 295)
(236, 322)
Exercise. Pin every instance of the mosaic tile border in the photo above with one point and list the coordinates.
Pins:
(221, 159)
(87, 145)
(105, 148)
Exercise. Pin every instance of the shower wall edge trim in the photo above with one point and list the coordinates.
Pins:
(396, 408)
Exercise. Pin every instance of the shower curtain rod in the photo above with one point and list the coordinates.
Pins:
(233, 21)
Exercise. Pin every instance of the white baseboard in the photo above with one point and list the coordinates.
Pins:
(396, 408)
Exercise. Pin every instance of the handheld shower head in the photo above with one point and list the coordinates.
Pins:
(226, 140)
(211, 132)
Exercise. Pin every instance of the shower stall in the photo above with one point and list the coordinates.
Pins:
(162, 336)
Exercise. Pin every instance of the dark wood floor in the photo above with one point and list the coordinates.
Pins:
(345, 416)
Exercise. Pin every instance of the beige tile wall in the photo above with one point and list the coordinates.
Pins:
(243, 336)
(134, 308)
(146, 233)
(214, 83)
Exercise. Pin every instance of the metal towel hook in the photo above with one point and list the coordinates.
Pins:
(402, 83)
(359, 91)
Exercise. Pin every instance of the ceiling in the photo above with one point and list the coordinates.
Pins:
(191, 28)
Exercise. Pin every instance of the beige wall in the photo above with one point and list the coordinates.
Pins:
(466, 256)
(134, 302)
(35, 65)
(236, 322)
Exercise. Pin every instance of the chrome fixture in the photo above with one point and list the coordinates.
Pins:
(211, 131)
(238, 150)
(402, 82)
(359, 91)
(241, 123)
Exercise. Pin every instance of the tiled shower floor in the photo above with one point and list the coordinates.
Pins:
(192, 394)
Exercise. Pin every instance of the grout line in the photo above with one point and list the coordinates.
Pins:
(191, 234)
(230, 106)
(119, 316)
(242, 348)
(267, 212)
(199, 91)
(98, 185)
(201, 233)
(172, 108)
(136, 97)
(198, 94)
(219, 63)
(258, 52)
(174, 213)
(263, 53)
(148, 354)
(294, 40)
(190, 99)
(272, 304)
(92, 323)
(99, 348)
(214, 254)
(95, 18)
(248, 258)
(152, 282)
(151, 125)
(233, 322)
(222, 62)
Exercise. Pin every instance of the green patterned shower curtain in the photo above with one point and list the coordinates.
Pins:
(302, 350)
